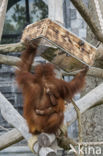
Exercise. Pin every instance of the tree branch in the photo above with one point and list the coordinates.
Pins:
(9, 60)
(80, 6)
(15, 47)
(89, 100)
(9, 138)
(93, 71)
(3, 7)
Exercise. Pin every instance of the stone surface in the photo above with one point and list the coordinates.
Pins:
(93, 124)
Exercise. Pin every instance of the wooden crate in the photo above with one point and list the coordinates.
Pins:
(72, 50)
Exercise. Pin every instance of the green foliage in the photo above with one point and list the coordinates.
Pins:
(19, 17)
(8, 27)
(40, 9)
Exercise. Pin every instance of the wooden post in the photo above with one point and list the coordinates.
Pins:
(46, 151)
(98, 6)
(13, 117)
(45, 139)
(3, 7)
(8, 138)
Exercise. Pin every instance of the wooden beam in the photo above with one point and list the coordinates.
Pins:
(45, 139)
(98, 7)
(46, 151)
(84, 12)
(9, 60)
(94, 72)
(11, 115)
(15, 47)
(94, 97)
(10, 138)
(3, 7)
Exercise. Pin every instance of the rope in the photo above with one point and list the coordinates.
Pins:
(31, 142)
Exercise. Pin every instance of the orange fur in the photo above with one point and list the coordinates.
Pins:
(35, 95)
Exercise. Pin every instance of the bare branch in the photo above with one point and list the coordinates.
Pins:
(3, 128)
(9, 138)
(9, 60)
(15, 47)
(3, 7)
(86, 15)
(93, 71)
